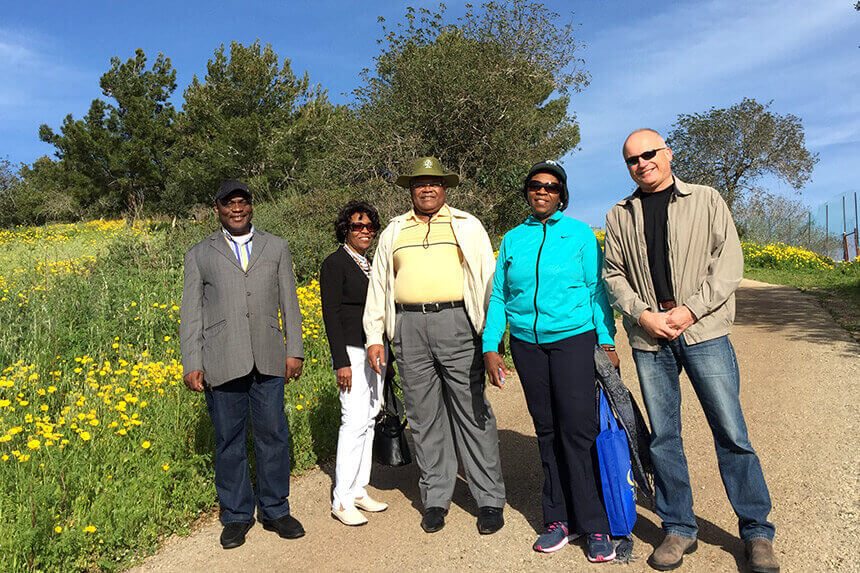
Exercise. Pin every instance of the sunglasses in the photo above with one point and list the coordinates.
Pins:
(358, 227)
(646, 155)
(553, 188)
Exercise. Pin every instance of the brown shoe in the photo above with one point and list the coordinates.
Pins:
(671, 552)
(761, 557)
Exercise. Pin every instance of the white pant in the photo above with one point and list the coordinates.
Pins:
(358, 410)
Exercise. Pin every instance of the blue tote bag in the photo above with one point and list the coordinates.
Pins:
(616, 477)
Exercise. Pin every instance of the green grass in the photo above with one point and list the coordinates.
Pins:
(103, 452)
(838, 289)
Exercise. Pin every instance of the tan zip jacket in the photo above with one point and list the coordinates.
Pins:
(704, 255)
(478, 266)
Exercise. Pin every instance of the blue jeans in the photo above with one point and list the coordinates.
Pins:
(229, 406)
(713, 370)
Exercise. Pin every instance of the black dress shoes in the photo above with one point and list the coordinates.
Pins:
(287, 527)
(434, 519)
(490, 520)
(233, 534)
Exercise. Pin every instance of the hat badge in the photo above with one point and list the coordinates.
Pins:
(428, 163)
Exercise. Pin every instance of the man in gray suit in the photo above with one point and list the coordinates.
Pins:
(236, 281)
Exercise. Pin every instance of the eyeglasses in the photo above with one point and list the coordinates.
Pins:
(535, 186)
(646, 155)
(437, 185)
(359, 227)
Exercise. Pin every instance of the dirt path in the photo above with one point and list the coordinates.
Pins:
(800, 378)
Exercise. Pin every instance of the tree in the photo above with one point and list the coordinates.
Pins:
(29, 198)
(250, 118)
(731, 148)
(487, 94)
(8, 177)
(116, 157)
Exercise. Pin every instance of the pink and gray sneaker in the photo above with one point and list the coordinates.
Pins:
(553, 538)
(600, 548)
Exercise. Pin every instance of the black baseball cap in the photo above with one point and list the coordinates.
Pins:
(231, 186)
(553, 168)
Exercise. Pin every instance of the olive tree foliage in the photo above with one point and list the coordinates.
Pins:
(250, 118)
(8, 177)
(732, 148)
(10, 183)
(116, 158)
(488, 94)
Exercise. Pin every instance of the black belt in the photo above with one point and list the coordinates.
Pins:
(426, 307)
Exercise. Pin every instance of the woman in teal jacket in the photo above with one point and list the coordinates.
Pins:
(548, 288)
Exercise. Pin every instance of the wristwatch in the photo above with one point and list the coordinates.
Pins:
(608, 347)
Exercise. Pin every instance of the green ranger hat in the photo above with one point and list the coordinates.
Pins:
(428, 167)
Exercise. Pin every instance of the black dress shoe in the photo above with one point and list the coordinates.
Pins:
(287, 527)
(233, 534)
(434, 519)
(490, 520)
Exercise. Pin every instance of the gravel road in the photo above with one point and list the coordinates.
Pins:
(800, 376)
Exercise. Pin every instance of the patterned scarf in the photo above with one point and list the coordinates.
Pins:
(360, 260)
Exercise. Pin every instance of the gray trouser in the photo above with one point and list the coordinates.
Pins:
(442, 371)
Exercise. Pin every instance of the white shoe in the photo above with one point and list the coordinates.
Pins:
(367, 503)
(349, 516)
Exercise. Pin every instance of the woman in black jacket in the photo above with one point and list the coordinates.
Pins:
(343, 287)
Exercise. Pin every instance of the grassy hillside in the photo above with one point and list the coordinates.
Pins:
(102, 450)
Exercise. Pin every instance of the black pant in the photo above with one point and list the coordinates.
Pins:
(558, 381)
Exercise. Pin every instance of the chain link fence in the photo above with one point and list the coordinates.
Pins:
(830, 229)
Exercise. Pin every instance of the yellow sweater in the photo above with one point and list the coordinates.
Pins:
(428, 262)
(478, 265)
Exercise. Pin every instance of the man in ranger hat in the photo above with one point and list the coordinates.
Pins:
(427, 293)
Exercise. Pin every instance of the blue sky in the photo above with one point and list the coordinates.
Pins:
(649, 62)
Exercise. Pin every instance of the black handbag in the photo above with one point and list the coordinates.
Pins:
(390, 447)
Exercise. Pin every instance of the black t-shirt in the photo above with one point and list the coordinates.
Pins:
(655, 209)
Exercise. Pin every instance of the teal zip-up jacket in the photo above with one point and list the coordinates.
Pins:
(548, 284)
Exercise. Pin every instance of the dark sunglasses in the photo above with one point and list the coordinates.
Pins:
(536, 186)
(646, 155)
(358, 227)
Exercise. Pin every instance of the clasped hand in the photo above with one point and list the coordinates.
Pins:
(669, 325)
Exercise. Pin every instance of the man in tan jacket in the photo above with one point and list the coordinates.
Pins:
(673, 261)
(427, 293)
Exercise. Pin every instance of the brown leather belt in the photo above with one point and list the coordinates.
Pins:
(667, 304)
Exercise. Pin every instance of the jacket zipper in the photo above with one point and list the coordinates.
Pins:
(537, 280)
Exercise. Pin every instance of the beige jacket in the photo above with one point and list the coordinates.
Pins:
(704, 256)
(478, 260)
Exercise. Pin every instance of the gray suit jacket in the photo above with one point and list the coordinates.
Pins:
(229, 317)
